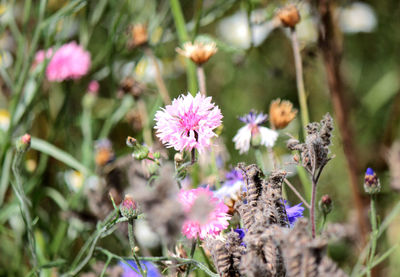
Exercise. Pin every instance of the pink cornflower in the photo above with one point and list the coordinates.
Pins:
(188, 122)
(70, 61)
(206, 214)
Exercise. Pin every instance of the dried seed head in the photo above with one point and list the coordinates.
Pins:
(289, 15)
(130, 85)
(281, 113)
(139, 35)
(198, 52)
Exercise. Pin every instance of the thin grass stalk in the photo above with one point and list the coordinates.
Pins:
(259, 159)
(162, 88)
(192, 250)
(297, 193)
(299, 80)
(374, 235)
(183, 37)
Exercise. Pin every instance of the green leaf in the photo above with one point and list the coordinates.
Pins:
(62, 156)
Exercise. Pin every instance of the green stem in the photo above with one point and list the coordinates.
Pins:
(192, 250)
(259, 159)
(23, 203)
(300, 81)
(132, 244)
(374, 234)
(86, 127)
(184, 37)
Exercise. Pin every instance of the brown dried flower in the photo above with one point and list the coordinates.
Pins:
(289, 15)
(315, 150)
(139, 35)
(198, 52)
(281, 113)
(131, 86)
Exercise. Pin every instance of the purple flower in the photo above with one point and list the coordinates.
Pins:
(294, 212)
(151, 270)
(252, 132)
(233, 185)
(241, 233)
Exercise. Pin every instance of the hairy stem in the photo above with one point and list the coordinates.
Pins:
(23, 203)
(259, 159)
(312, 212)
(133, 245)
(162, 88)
(192, 250)
(299, 80)
(374, 234)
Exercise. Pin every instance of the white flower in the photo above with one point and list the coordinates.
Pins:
(244, 136)
(357, 17)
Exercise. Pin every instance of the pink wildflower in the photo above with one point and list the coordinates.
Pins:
(188, 122)
(70, 61)
(206, 214)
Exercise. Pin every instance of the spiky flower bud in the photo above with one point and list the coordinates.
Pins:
(128, 207)
(23, 143)
(325, 204)
(371, 182)
(289, 16)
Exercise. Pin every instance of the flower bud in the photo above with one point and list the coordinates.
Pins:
(128, 207)
(289, 16)
(131, 142)
(371, 182)
(178, 159)
(139, 35)
(23, 143)
(325, 204)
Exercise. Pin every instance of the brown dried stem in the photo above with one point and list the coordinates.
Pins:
(331, 52)
(295, 191)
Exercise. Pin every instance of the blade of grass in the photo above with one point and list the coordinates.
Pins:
(62, 156)
(184, 37)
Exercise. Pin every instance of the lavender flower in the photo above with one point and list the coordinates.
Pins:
(294, 212)
(234, 184)
(151, 270)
